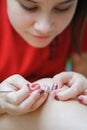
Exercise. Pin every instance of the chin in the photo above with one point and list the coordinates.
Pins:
(39, 46)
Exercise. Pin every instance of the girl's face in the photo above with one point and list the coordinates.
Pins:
(40, 21)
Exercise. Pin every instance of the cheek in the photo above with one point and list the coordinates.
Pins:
(62, 21)
(21, 21)
(19, 18)
(61, 25)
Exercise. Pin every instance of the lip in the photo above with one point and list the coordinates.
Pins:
(41, 37)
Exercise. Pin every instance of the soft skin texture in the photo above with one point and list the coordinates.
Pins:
(23, 98)
(79, 63)
(51, 115)
(76, 86)
(38, 28)
(43, 23)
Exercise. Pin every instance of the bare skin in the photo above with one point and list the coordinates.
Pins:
(58, 115)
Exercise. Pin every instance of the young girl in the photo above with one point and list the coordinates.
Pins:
(36, 39)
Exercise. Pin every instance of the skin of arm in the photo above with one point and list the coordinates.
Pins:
(79, 63)
(58, 115)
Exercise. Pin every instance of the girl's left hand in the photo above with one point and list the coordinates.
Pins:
(71, 85)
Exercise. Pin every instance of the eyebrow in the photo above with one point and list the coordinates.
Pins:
(67, 1)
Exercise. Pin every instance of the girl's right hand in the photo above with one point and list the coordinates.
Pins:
(23, 98)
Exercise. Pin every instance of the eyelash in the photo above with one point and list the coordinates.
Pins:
(29, 9)
(62, 10)
(35, 8)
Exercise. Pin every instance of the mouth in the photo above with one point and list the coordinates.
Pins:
(41, 37)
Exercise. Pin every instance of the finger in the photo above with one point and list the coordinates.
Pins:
(85, 92)
(34, 86)
(39, 102)
(28, 103)
(7, 87)
(82, 99)
(10, 108)
(64, 87)
(58, 94)
(65, 95)
(17, 81)
(18, 96)
(62, 78)
(69, 93)
(19, 110)
(25, 106)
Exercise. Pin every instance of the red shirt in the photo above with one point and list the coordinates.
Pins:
(18, 57)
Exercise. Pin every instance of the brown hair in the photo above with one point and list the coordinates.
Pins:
(80, 18)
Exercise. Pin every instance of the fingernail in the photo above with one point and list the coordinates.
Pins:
(35, 85)
(56, 97)
(28, 85)
(41, 92)
(47, 89)
(54, 87)
(80, 99)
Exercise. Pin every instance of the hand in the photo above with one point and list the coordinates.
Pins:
(25, 97)
(71, 85)
(79, 63)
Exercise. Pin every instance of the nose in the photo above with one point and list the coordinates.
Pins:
(43, 25)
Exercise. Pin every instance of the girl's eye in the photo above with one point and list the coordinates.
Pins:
(62, 9)
(29, 8)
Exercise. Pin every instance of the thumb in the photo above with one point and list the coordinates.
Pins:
(62, 78)
(66, 94)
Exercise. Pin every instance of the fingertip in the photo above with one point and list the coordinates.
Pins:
(82, 99)
(41, 91)
(62, 96)
(56, 97)
(34, 86)
(54, 86)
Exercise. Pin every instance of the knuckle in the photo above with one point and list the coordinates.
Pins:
(24, 108)
(13, 78)
(85, 102)
(16, 76)
(15, 100)
(74, 91)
